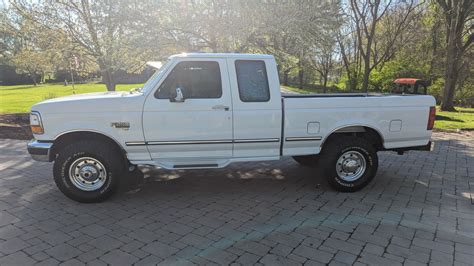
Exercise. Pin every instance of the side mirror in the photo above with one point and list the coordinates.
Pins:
(179, 98)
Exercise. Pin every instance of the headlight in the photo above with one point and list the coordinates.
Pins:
(35, 123)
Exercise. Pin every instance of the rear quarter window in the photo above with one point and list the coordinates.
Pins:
(252, 80)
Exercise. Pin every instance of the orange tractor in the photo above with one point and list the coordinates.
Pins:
(410, 86)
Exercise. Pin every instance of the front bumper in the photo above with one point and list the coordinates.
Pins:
(40, 150)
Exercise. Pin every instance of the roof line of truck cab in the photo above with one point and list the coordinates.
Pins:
(223, 55)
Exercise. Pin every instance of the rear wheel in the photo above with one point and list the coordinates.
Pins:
(88, 171)
(350, 163)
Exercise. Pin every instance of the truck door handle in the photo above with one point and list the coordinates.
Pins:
(220, 107)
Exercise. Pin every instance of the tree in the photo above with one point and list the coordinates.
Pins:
(324, 52)
(318, 28)
(30, 48)
(367, 16)
(290, 30)
(365, 43)
(32, 63)
(458, 40)
(99, 28)
(205, 25)
(350, 56)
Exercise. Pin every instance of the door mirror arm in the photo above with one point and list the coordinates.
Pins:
(179, 96)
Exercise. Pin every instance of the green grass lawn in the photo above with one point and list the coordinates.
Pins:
(463, 118)
(20, 98)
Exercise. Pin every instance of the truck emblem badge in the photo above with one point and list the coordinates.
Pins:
(122, 125)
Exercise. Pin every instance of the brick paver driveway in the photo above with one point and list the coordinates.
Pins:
(419, 210)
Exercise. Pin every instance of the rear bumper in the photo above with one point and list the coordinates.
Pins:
(427, 147)
(40, 150)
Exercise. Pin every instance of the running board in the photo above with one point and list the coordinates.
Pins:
(181, 166)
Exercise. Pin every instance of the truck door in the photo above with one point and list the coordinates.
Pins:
(189, 115)
(256, 107)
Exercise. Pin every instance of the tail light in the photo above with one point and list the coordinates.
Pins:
(431, 118)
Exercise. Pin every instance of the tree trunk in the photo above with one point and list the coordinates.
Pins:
(108, 81)
(301, 78)
(110, 86)
(455, 13)
(286, 77)
(450, 79)
(365, 81)
(325, 82)
(351, 82)
(451, 72)
(33, 78)
(107, 77)
(448, 95)
(300, 74)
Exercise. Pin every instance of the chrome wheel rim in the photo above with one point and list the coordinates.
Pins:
(87, 174)
(351, 166)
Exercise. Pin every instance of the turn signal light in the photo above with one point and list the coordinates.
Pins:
(431, 118)
(37, 130)
(35, 123)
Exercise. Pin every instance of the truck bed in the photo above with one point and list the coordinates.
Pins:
(338, 95)
(399, 119)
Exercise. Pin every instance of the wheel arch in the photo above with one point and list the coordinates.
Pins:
(363, 131)
(63, 139)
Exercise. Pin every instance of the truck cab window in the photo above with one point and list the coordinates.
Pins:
(252, 81)
(196, 79)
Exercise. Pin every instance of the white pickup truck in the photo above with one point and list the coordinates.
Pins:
(208, 110)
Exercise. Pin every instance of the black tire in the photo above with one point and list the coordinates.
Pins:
(307, 160)
(343, 145)
(108, 156)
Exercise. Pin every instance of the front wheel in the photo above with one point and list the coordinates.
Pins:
(88, 171)
(350, 163)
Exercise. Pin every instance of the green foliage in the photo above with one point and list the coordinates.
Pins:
(436, 89)
(295, 90)
(350, 84)
(32, 63)
(382, 80)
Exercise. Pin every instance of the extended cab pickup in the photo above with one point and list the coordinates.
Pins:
(209, 110)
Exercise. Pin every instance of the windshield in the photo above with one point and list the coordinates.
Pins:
(151, 82)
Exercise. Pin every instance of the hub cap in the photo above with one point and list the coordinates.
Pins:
(87, 174)
(350, 166)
